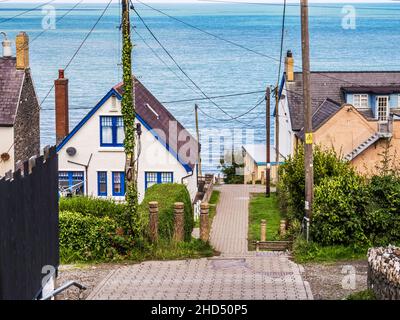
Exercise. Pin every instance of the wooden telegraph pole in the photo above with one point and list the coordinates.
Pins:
(268, 155)
(196, 108)
(308, 130)
(129, 117)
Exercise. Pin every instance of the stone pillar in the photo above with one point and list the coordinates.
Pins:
(153, 209)
(253, 178)
(263, 231)
(179, 228)
(204, 222)
(282, 229)
(262, 177)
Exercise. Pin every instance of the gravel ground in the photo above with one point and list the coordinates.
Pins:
(326, 279)
(88, 275)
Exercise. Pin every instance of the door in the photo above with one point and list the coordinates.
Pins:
(383, 109)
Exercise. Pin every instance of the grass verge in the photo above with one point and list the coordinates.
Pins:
(264, 208)
(304, 252)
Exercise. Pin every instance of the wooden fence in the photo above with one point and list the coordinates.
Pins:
(28, 226)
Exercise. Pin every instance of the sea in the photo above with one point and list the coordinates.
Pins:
(224, 48)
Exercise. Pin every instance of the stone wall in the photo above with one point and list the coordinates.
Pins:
(384, 272)
(27, 122)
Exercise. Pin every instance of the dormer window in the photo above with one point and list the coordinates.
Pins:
(360, 101)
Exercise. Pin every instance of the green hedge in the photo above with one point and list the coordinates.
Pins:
(94, 206)
(89, 238)
(166, 195)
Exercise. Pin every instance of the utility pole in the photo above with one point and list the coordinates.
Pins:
(129, 116)
(308, 130)
(196, 108)
(268, 155)
(277, 126)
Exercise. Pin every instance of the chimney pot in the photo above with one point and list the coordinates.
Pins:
(62, 107)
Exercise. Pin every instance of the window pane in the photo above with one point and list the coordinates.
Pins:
(356, 100)
(118, 183)
(106, 130)
(102, 176)
(166, 177)
(120, 135)
(151, 179)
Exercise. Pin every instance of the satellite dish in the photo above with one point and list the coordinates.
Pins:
(71, 151)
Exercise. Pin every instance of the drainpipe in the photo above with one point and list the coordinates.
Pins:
(188, 176)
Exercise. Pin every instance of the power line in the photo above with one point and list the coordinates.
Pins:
(183, 71)
(26, 11)
(282, 40)
(79, 48)
(217, 97)
(234, 43)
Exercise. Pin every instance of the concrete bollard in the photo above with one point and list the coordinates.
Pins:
(179, 227)
(263, 231)
(262, 177)
(153, 210)
(282, 228)
(204, 222)
(253, 178)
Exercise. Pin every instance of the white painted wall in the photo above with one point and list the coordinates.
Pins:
(286, 135)
(6, 141)
(153, 156)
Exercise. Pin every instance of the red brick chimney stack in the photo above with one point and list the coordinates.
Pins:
(62, 112)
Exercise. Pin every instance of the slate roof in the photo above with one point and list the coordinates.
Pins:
(159, 118)
(332, 85)
(325, 111)
(11, 82)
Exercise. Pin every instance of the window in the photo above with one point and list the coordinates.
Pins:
(111, 131)
(118, 180)
(360, 101)
(152, 178)
(383, 108)
(102, 183)
(71, 182)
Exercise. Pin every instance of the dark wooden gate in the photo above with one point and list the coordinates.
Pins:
(28, 226)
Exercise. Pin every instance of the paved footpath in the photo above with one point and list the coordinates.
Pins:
(235, 275)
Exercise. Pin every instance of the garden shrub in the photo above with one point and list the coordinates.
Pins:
(166, 195)
(90, 238)
(339, 206)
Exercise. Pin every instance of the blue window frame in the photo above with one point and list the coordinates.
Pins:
(152, 178)
(118, 184)
(72, 181)
(111, 131)
(102, 183)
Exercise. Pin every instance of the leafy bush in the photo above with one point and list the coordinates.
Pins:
(89, 238)
(94, 206)
(166, 195)
(291, 187)
(339, 206)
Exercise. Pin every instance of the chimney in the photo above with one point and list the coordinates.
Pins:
(22, 51)
(61, 101)
(289, 66)
(7, 51)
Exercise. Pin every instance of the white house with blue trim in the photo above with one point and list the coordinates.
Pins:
(92, 158)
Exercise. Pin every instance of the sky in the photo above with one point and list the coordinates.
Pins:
(195, 1)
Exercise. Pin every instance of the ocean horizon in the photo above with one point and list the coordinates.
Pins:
(218, 67)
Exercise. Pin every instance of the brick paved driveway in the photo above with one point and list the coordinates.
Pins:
(236, 274)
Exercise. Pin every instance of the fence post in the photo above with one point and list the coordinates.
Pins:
(263, 230)
(153, 210)
(179, 221)
(204, 222)
(282, 227)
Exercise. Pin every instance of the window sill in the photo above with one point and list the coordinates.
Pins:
(111, 149)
